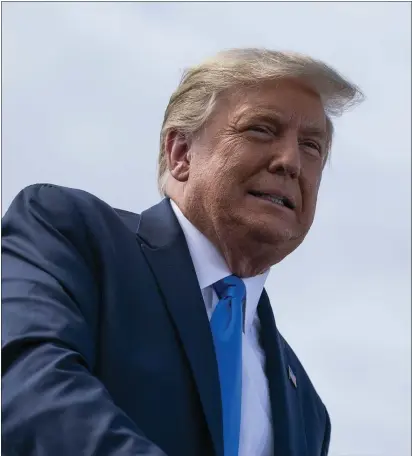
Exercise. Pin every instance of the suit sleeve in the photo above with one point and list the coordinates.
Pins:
(52, 404)
(326, 439)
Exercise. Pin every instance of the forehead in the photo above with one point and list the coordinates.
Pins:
(288, 101)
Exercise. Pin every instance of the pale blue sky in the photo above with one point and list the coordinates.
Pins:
(85, 86)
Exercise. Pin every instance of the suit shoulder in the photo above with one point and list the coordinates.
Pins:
(61, 203)
(130, 219)
(54, 197)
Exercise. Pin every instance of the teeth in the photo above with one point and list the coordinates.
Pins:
(277, 200)
(274, 199)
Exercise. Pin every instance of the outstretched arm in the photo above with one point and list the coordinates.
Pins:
(52, 403)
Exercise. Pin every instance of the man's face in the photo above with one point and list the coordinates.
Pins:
(255, 168)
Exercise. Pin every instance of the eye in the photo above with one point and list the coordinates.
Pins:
(313, 145)
(262, 129)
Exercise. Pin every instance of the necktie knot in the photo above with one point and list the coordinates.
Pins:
(230, 287)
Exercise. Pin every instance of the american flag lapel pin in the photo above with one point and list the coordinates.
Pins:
(292, 377)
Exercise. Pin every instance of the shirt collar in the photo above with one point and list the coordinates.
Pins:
(210, 266)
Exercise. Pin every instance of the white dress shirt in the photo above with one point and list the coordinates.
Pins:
(256, 421)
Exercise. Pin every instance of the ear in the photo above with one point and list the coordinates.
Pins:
(177, 149)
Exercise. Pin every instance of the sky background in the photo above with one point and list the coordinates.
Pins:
(84, 88)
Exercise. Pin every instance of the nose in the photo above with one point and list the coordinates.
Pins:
(285, 160)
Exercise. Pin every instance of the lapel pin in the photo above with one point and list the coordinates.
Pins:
(292, 377)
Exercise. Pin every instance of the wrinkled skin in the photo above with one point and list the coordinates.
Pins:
(269, 138)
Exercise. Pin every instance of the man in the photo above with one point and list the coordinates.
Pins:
(151, 334)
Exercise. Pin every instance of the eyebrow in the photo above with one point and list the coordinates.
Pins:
(314, 131)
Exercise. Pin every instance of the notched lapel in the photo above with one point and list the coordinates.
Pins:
(166, 251)
(288, 425)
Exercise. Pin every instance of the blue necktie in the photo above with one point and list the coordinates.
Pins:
(226, 324)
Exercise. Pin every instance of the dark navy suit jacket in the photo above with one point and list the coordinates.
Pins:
(106, 344)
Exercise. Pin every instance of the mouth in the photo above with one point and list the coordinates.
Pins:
(275, 199)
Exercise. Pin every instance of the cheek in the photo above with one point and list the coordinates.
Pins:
(228, 162)
(244, 159)
(310, 189)
(225, 171)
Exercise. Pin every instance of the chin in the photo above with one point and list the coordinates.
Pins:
(275, 241)
(252, 246)
(270, 232)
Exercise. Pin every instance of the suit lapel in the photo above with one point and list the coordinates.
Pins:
(166, 251)
(288, 424)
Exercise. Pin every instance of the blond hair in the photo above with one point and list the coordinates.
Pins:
(193, 102)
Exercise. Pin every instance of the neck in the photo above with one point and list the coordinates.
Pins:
(244, 257)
